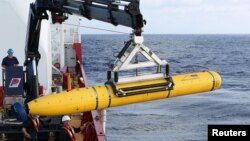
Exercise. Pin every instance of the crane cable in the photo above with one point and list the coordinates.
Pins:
(94, 28)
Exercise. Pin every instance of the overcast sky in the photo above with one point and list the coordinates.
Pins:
(189, 16)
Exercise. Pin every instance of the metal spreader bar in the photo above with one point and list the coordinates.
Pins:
(124, 59)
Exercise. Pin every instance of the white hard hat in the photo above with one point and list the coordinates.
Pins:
(65, 118)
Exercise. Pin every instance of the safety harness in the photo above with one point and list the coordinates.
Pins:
(35, 123)
(71, 132)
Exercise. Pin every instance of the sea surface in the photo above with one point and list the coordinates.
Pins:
(182, 118)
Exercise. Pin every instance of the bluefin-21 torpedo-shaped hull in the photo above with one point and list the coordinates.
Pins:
(104, 96)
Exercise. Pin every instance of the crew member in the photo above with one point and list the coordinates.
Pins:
(30, 128)
(10, 60)
(67, 132)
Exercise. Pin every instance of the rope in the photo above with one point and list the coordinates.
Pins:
(108, 30)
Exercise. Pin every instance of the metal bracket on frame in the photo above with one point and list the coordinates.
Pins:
(128, 52)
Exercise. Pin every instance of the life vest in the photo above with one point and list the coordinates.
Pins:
(71, 132)
(35, 123)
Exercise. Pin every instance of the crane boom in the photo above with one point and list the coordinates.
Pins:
(116, 12)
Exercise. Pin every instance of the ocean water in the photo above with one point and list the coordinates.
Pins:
(183, 118)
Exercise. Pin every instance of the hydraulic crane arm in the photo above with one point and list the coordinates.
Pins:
(116, 12)
(107, 11)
